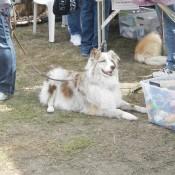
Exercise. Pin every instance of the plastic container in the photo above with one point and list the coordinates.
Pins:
(160, 101)
(136, 24)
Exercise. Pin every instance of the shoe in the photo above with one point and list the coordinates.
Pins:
(75, 40)
(163, 72)
(3, 96)
(84, 54)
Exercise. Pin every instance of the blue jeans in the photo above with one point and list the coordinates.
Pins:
(169, 31)
(7, 55)
(74, 24)
(89, 24)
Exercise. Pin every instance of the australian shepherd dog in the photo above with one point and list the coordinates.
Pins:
(96, 91)
(149, 50)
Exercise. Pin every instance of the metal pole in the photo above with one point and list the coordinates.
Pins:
(103, 44)
(99, 22)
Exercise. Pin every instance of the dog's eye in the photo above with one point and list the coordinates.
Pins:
(102, 61)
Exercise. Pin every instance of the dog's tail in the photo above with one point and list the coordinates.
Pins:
(155, 60)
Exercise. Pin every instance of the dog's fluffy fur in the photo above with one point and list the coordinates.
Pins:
(149, 49)
(96, 91)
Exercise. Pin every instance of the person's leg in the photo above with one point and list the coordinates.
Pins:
(169, 36)
(95, 21)
(74, 23)
(87, 21)
(7, 56)
(107, 12)
(169, 29)
(74, 28)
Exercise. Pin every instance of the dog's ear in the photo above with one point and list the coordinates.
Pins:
(114, 55)
(95, 54)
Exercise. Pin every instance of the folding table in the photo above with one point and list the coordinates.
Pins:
(117, 6)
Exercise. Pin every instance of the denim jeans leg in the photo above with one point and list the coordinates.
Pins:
(7, 57)
(87, 20)
(95, 37)
(169, 33)
(74, 24)
(107, 12)
(170, 40)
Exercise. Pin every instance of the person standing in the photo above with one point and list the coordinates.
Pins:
(7, 53)
(89, 25)
(169, 27)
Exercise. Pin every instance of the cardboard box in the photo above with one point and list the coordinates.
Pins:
(136, 24)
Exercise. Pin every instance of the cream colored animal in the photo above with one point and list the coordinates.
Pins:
(149, 50)
(96, 91)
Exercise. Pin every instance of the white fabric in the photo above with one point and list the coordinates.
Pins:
(3, 96)
(5, 2)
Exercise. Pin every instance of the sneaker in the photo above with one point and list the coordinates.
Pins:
(75, 40)
(84, 54)
(163, 72)
(3, 96)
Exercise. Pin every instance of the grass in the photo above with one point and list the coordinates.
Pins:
(77, 144)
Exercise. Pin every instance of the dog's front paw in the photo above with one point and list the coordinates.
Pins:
(143, 110)
(129, 116)
(50, 109)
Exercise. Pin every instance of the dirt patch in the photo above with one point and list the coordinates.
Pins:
(33, 142)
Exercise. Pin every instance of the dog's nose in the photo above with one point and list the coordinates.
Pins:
(112, 67)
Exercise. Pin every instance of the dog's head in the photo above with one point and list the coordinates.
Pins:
(102, 63)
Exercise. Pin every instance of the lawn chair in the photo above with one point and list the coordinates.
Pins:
(51, 17)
